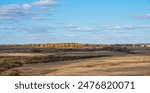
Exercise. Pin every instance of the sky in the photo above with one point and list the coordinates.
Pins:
(75, 21)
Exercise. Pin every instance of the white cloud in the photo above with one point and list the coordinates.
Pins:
(117, 27)
(79, 28)
(26, 6)
(124, 35)
(105, 27)
(142, 16)
(38, 18)
(25, 11)
(144, 26)
(128, 27)
(45, 3)
(14, 12)
(86, 28)
(121, 27)
(29, 29)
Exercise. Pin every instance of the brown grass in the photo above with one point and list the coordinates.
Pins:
(12, 72)
(106, 61)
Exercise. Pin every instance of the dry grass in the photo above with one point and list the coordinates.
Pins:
(12, 72)
(109, 61)
(7, 63)
(125, 65)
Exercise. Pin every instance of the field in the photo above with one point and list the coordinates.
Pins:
(130, 61)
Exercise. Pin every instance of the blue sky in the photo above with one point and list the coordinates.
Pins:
(77, 21)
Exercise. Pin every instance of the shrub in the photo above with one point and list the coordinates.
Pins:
(11, 73)
(9, 65)
(36, 50)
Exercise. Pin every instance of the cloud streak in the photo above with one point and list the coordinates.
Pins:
(78, 28)
(29, 29)
(105, 27)
(45, 3)
(142, 16)
(125, 27)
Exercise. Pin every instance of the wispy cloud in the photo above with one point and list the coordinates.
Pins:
(15, 12)
(105, 27)
(148, 7)
(142, 16)
(29, 29)
(45, 3)
(118, 27)
(79, 28)
(25, 11)
(125, 27)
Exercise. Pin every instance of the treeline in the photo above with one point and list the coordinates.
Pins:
(57, 45)
(69, 45)
(74, 45)
(51, 45)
